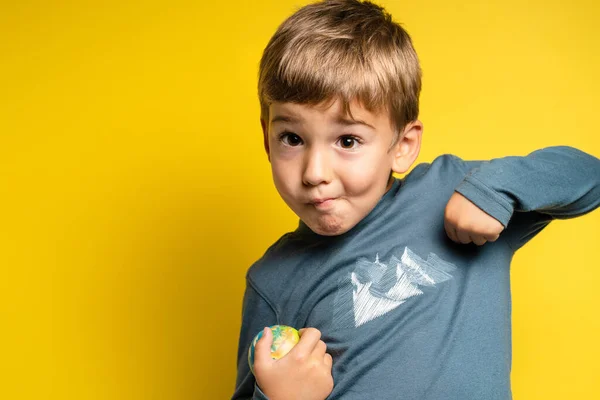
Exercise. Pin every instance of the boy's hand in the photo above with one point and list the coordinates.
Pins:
(466, 223)
(304, 373)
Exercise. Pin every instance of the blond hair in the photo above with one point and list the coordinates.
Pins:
(346, 49)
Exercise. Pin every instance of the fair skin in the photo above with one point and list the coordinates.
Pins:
(331, 170)
(303, 374)
(466, 223)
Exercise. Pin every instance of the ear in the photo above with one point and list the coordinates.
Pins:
(407, 148)
(265, 130)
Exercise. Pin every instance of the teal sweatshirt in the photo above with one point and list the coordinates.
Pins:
(406, 313)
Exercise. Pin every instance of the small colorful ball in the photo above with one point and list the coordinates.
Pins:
(284, 339)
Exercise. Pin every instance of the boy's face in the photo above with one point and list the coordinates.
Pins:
(332, 170)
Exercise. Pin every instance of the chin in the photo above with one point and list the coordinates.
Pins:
(329, 228)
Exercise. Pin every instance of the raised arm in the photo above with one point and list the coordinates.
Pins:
(525, 193)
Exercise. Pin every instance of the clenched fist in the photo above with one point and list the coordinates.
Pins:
(302, 374)
(465, 222)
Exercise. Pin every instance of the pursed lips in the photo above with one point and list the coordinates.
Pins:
(322, 202)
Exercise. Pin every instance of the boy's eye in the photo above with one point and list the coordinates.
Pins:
(291, 139)
(348, 142)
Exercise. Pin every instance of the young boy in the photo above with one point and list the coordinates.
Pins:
(389, 277)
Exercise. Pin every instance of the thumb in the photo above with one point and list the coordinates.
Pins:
(262, 349)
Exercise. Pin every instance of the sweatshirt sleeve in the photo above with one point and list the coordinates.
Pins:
(526, 193)
(257, 313)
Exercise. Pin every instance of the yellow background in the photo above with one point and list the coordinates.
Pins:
(134, 192)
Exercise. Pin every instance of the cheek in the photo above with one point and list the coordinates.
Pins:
(283, 174)
(369, 172)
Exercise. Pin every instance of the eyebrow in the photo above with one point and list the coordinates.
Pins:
(284, 118)
(340, 120)
(350, 122)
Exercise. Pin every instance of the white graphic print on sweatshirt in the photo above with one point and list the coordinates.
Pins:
(377, 288)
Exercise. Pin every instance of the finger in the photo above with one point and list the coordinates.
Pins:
(493, 229)
(319, 350)
(450, 231)
(478, 240)
(492, 237)
(262, 349)
(328, 360)
(463, 236)
(309, 338)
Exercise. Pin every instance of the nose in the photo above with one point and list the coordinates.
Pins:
(317, 168)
